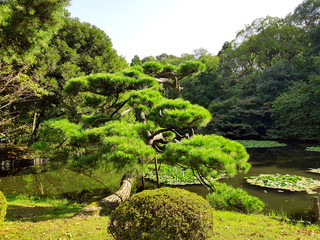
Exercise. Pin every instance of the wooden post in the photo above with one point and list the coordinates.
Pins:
(316, 208)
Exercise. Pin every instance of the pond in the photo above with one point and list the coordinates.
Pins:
(293, 160)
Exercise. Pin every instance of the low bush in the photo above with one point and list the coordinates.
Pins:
(233, 199)
(3, 207)
(165, 213)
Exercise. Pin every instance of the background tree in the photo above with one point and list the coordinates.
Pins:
(135, 61)
(25, 28)
(75, 50)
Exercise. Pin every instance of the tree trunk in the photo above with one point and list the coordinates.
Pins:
(107, 204)
(157, 172)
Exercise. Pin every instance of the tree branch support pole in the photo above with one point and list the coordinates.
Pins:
(157, 171)
(316, 208)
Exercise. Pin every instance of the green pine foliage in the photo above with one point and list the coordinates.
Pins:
(3, 207)
(180, 113)
(209, 156)
(108, 84)
(233, 199)
(191, 67)
(166, 213)
(152, 68)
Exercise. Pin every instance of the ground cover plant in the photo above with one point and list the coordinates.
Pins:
(285, 182)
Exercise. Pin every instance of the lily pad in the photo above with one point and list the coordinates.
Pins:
(285, 182)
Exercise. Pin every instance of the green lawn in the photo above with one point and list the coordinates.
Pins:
(53, 220)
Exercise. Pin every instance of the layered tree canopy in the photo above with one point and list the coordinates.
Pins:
(124, 119)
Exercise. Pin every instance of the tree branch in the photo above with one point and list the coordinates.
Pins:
(173, 84)
(118, 109)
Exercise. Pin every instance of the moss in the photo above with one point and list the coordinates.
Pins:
(3, 207)
(166, 213)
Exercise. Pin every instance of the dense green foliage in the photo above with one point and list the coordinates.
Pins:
(26, 26)
(3, 207)
(124, 119)
(233, 199)
(211, 156)
(52, 48)
(249, 86)
(166, 213)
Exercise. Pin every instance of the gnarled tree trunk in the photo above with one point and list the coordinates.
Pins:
(107, 204)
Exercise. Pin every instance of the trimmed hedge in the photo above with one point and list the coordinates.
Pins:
(165, 213)
(3, 207)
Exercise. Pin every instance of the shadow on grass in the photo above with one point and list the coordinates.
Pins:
(39, 213)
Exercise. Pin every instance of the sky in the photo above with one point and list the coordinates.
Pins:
(152, 27)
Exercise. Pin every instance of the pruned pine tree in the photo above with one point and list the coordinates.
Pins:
(124, 119)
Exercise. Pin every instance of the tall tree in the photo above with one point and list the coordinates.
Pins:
(25, 28)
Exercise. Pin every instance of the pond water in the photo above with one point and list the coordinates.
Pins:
(293, 160)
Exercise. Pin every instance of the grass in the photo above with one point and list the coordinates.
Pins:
(35, 218)
(260, 144)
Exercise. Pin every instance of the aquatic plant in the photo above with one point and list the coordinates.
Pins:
(260, 144)
(285, 182)
(173, 175)
(313, 149)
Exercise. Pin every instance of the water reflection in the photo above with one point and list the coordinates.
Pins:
(10, 167)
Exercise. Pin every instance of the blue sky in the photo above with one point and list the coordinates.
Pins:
(153, 27)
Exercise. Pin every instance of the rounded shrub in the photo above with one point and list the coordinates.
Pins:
(3, 207)
(165, 213)
(233, 199)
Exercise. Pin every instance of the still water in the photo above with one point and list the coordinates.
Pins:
(293, 160)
